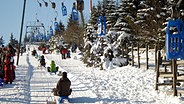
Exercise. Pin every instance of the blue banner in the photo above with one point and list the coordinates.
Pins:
(64, 10)
(175, 39)
(51, 31)
(101, 26)
(75, 15)
(56, 26)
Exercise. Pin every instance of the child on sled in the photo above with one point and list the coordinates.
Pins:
(53, 68)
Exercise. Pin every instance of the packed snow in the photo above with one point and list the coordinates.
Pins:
(118, 85)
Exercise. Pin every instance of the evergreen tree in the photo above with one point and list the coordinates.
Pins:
(56, 40)
(146, 17)
(90, 37)
(1, 41)
(133, 21)
(94, 17)
(109, 12)
(74, 33)
(13, 41)
(61, 27)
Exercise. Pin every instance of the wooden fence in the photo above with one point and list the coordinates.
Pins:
(168, 72)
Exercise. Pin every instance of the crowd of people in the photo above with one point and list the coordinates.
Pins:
(7, 67)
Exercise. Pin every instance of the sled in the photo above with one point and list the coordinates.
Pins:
(40, 66)
(48, 69)
(63, 99)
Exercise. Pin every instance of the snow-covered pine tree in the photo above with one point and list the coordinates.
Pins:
(57, 40)
(94, 17)
(109, 8)
(90, 37)
(157, 16)
(99, 47)
(148, 21)
(141, 20)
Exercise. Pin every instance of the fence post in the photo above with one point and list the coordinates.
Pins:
(147, 66)
(174, 68)
(127, 57)
(157, 70)
(132, 50)
(165, 66)
(138, 57)
(155, 57)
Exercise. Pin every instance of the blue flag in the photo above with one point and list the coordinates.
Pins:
(64, 10)
(101, 26)
(56, 26)
(75, 15)
(51, 31)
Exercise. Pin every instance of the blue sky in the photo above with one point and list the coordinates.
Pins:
(11, 15)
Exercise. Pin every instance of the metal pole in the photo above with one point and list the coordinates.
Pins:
(91, 6)
(82, 17)
(23, 12)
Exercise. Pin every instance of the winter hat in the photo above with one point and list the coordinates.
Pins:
(64, 75)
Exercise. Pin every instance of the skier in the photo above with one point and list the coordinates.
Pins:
(63, 88)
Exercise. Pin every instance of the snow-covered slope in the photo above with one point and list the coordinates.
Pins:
(120, 85)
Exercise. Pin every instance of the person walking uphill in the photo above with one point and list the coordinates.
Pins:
(42, 61)
(63, 52)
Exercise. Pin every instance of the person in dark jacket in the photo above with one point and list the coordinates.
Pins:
(42, 61)
(63, 88)
(63, 85)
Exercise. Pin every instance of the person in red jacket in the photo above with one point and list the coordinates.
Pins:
(8, 70)
(63, 51)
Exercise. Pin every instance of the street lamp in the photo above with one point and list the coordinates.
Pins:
(23, 12)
